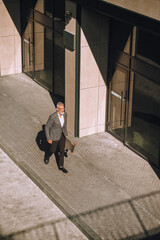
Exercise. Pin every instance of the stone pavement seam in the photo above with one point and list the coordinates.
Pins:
(127, 194)
(26, 212)
(53, 196)
(101, 171)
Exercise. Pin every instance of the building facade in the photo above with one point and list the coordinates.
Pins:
(102, 58)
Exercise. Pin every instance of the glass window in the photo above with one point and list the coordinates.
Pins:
(59, 10)
(39, 6)
(120, 36)
(49, 8)
(148, 47)
(44, 6)
(59, 60)
(26, 11)
(43, 55)
(28, 49)
(143, 132)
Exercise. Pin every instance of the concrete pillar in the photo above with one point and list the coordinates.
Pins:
(70, 71)
(10, 38)
(93, 72)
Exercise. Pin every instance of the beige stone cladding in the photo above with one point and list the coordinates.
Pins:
(70, 68)
(10, 39)
(93, 72)
(150, 8)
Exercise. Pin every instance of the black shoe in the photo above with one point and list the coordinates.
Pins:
(46, 160)
(63, 169)
(65, 153)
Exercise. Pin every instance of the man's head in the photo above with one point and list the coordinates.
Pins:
(60, 108)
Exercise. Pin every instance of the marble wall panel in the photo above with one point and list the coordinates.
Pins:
(88, 131)
(7, 52)
(93, 72)
(17, 51)
(7, 25)
(88, 107)
(10, 40)
(102, 105)
(89, 69)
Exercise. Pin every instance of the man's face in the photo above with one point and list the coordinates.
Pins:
(60, 109)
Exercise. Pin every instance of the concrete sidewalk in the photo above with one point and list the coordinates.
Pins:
(26, 212)
(109, 192)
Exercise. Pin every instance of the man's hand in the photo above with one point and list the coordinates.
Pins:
(50, 141)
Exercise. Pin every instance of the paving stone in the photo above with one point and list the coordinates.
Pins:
(109, 193)
(26, 212)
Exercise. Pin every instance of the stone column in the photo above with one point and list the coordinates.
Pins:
(93, 72)
(10, 38)
(70, 70)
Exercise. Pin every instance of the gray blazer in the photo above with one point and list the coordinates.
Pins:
(53, 127)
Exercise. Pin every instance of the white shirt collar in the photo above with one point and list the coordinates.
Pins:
(61, 119)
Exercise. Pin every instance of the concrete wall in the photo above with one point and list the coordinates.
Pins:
(10, 39)
(93, 72)
(70, 65)
(150, 8)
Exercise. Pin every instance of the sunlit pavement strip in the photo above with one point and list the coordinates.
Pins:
(26, 212)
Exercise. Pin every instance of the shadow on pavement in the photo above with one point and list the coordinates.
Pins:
(156, 170)
(41, 140)
(153, 237)
(114, 213)
(5, 238)
(43, 145)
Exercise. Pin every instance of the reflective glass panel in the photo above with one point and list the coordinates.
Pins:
(143, 132)
(118, 93)
(44, 6)
(28, 49)
(120, 36)
(148, 48)
(59, 60)
(43, 55)
(39, 6)
(49, 8)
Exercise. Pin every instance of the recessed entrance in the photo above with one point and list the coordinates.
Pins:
(133, 84)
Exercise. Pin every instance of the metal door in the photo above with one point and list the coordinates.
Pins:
(28, 54)
(117, 102)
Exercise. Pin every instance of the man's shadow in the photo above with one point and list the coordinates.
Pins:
(43, 145)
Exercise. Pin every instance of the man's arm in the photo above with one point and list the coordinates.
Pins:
(66, 125)
(47, 127)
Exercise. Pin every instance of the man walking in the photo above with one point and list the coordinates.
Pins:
(56, 134)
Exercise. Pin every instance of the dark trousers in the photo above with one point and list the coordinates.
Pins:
(60, 144)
